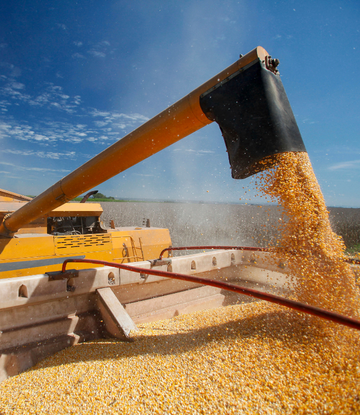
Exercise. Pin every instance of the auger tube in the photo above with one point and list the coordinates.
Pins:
(171, 125)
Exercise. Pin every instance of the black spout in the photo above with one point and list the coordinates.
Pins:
(255, 118)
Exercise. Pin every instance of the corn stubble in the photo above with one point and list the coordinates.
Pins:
(250, 358)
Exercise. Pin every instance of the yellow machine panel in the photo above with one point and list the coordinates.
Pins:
(132, 244)
(38, 254)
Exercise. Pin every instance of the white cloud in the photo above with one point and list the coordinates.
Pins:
(78, 55)
(39, 137)
(61, 26)
(308, 121)
(38, 169)
(101, 123)
(12, 91)
(196, 152)
(95, 126)
(97, 53)
(17, 85)
(52, 96)
(128, 119)
(121, 126)
(15, 71)
(100, 49)
(352, 164)
(4, 105)
(97, 113)
(41, 154)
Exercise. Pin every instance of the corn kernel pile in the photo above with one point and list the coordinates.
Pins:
(254, 358)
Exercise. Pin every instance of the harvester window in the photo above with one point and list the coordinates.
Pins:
(70, 225)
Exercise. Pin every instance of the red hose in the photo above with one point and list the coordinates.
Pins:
(315, 311)
(239, 248)
(189, 248)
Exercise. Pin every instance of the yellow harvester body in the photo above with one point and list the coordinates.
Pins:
(37, 249)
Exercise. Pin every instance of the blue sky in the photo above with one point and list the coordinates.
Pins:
(77, 76)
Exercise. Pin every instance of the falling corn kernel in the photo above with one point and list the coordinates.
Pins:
(314, 253)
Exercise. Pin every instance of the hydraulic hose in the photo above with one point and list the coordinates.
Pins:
(295, 305)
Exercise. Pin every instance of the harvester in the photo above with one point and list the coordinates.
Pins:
(249, 103)
(44, 307)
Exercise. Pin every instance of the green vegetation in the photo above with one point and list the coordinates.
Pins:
(101, 196)
(98, 197)
(354, 250)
